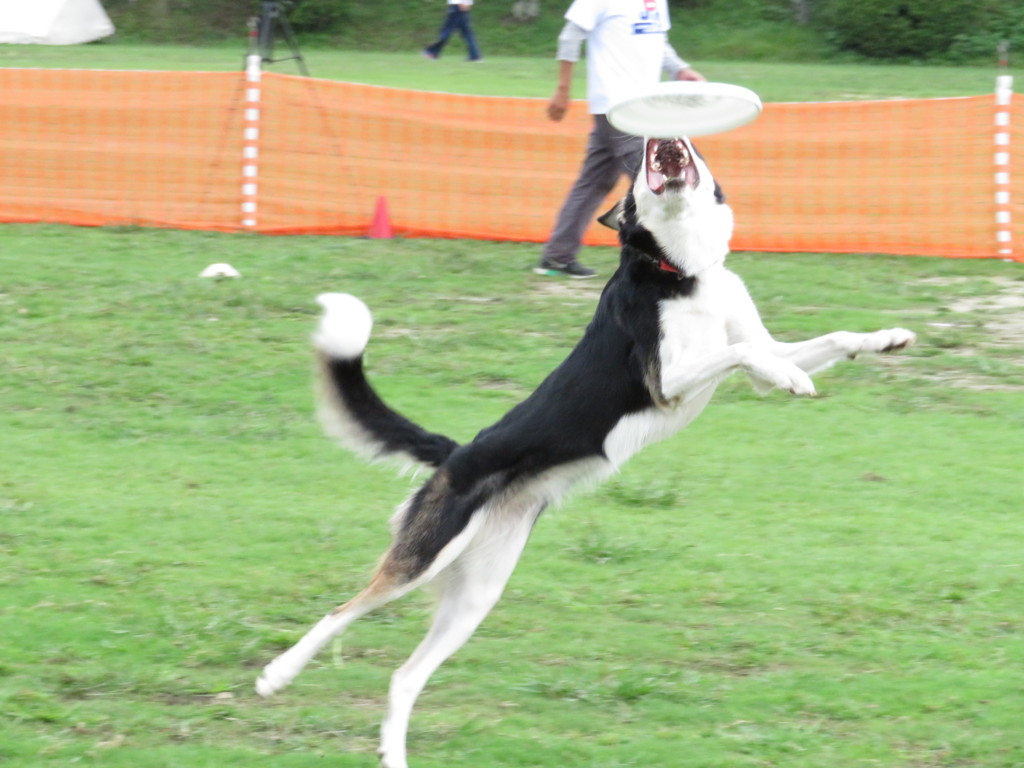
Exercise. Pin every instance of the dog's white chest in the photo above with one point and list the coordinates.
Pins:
(637, 430)
(691, 328)
(694, 325)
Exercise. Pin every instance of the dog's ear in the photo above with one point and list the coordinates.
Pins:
(613, 218)
(719, 194)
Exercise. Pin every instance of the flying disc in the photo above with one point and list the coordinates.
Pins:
(685, 108)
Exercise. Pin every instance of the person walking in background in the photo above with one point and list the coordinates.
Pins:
(627, 49)
(456, 18)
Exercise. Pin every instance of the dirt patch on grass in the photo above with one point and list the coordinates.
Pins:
(1002, 309)
(561, 288)
(994, 313)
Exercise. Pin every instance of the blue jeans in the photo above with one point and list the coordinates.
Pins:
(456, 19)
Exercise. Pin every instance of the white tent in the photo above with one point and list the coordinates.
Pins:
(53, 22)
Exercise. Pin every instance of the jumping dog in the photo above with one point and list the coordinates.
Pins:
(671, 324)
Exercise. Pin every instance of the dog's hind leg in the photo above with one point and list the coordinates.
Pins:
(399, 572)
(469, 588)
(282, 670)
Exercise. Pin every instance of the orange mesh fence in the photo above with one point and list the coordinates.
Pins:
(98, 148)
(187, 150)
(448, 165)
(913, 176)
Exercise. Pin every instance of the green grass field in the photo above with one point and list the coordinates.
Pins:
(527, 76)
(801, 583)
(790, 582)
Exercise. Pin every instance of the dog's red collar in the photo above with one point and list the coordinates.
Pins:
(662, 264)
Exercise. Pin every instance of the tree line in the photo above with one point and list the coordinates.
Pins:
(953, 30)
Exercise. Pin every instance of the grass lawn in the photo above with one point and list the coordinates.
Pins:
(525, 76)
(790, 582)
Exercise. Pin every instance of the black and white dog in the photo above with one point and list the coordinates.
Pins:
(671, 324)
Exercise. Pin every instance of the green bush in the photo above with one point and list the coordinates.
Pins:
(323, 16)
(897, 29)
(935, 30)
(181, 21)
(1000, 21)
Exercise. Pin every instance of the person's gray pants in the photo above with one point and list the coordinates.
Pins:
(610, 153)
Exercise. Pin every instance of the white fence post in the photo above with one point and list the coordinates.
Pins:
(250, 143)
(1004, 229)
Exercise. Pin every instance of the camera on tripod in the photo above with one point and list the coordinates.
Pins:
(271, 22)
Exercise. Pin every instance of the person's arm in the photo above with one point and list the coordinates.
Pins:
(676, 68)
(570, 41)
(559, 103)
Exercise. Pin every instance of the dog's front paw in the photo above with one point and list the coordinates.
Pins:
(796, 381)
(769, 372)
(888, 340)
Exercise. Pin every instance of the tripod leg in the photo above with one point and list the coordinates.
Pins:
(265, 35)
(290, 38)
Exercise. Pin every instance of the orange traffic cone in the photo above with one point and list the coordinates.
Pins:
(380, 229)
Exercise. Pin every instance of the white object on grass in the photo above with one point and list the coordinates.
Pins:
(678, 108)
(220, 270)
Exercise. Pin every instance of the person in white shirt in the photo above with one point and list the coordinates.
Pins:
(456, 18)
(627, 48)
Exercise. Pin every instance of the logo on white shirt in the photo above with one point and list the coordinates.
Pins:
(650, 19)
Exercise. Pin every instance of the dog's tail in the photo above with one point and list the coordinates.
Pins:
(348, 408)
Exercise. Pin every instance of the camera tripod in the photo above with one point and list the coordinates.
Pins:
(273, 21)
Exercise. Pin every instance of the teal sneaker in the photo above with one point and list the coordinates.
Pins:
(573, 269)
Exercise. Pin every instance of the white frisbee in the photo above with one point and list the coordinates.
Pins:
(677, 108)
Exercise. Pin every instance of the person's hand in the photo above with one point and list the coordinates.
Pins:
(690, 74)
(465, 7)
(558, 105)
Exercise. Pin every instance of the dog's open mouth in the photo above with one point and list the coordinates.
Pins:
(670, 165)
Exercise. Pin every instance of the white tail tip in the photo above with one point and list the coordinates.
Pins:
(345, 326)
